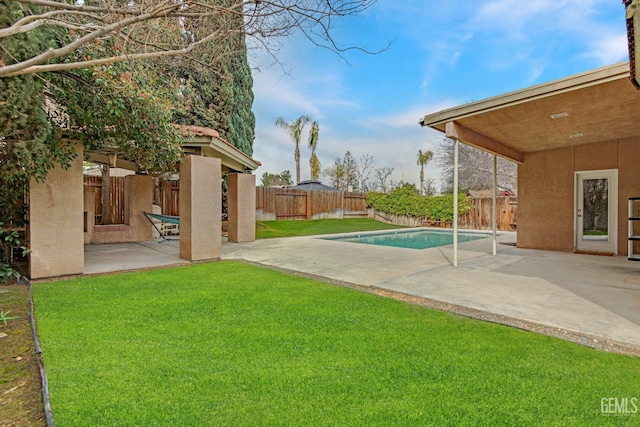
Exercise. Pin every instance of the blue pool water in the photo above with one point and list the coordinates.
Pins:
(421, 239)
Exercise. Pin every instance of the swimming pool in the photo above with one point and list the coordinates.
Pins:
(412, 239)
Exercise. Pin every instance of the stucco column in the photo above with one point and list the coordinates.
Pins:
(242, 207)
(139, 194)
(200, 208)
(56, 222)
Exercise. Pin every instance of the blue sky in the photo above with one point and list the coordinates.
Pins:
(442, 54)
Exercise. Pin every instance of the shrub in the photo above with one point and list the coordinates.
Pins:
(406, 201)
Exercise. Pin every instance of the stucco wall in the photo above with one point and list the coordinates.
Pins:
(138, 197)
(628, 186)
(546, 191)
(56, 222)
(242, 207)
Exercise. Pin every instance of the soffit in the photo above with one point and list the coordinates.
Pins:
(601, 105)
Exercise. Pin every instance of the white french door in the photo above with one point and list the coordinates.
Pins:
(597, 211)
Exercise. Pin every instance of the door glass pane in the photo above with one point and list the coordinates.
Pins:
(595, 224)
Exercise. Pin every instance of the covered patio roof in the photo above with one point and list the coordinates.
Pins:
(599, 105)
(200, 141)
(208, 142)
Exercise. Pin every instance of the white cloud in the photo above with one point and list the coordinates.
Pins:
(408, 118)
(610, 49)
(461, 50)
(275, 93)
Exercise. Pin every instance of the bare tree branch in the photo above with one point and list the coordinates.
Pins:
(169, 28)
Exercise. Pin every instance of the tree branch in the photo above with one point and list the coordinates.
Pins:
(258, 19)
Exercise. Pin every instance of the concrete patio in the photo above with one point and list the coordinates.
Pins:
(588, 299)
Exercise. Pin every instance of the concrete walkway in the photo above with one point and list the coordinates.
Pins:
(588, 299)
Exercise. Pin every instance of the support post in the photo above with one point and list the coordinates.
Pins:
(200, 208)
(241, 207)
(456, 145)
(56, 222)
(494, 222)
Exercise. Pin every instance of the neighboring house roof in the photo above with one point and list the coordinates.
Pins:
(312, 185)
(590, 107)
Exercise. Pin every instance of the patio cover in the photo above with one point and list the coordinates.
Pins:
(595, 106)
(209, 143)
(199, 141)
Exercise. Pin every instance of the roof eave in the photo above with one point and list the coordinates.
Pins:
(224, 149)
(613, 72)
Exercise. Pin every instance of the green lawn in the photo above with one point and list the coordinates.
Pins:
(227, 343)
(269, 229)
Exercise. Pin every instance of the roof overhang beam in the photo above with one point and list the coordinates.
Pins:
(230, 156)
(454, 130)
(103, 158)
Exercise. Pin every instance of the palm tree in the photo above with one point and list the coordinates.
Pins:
(295, 131)
(423, 159)
(314, 162)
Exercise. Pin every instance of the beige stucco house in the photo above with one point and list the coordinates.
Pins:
(577, 143)
(61, 214)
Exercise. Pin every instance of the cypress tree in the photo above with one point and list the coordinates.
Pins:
(221, 96)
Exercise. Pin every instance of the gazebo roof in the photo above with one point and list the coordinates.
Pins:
(312, 185)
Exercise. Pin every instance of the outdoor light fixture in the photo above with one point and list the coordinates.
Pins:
(113, 159)
(576, 135)
(559, 115)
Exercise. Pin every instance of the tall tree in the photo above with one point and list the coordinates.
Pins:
(423, 158)
(364, 171)
(336, 174)
(242, 123)
(350, 172)
(475, 171)
(220, 98)
(381, 176)
(314, 162)
(270, 179)
(294, 129)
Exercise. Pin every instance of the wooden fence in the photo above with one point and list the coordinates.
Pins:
(479, 218)
(285, 203)
(169, 196)
(116, 197)
(280, 203)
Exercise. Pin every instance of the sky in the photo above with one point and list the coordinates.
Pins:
(439, 54)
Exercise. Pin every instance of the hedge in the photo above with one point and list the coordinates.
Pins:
(405, 201)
